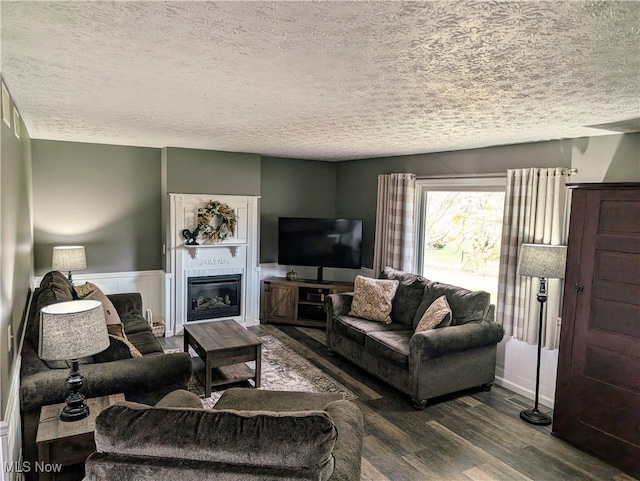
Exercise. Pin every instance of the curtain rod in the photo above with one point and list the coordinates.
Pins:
(461, 176)
(568, 172)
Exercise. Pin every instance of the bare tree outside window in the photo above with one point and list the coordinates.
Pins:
(461, 238)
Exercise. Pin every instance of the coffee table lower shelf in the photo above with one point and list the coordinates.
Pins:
(224, 374)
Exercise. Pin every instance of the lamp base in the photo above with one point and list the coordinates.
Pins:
(533, 416)
(76, 408)
(74, 413)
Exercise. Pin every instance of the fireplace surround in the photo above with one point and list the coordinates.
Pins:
(236, 256)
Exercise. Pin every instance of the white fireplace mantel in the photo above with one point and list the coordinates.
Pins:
(235, 255)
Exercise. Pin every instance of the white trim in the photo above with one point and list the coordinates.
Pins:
(463, 183)
(10, 430)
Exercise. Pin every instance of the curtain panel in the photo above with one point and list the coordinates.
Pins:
(535, 212)
(393, 245)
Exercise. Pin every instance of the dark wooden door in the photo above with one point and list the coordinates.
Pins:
(597, 404)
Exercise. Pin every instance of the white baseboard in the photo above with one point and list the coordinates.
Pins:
(528, 393)
(10, 431)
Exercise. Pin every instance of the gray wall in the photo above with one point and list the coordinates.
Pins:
(16, 246)
(293, 188)
(608, 158)
(192, 171)
(105, 197)
(357, 180)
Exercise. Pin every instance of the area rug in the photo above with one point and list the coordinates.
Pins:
(283, 369)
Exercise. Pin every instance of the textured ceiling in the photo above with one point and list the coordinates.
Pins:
(322, 80)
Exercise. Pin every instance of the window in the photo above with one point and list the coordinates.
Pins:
(459, 227)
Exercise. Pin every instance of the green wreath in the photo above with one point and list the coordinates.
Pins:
(211, 212)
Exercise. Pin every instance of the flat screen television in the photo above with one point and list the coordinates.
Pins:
(320, 242)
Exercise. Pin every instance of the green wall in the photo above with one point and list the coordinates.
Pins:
(293, 188)
(112, 199)
(190, 171)
(105, 197)
(16, 245)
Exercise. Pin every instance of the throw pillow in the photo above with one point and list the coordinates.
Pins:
(373, 299)
(90, 291)
(437, 313)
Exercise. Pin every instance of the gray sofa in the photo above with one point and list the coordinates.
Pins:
(426, 364)
(249, 435)
(144, 379)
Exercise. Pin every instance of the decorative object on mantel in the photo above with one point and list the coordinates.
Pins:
(190, 237)
(292, 275)
(206, 228)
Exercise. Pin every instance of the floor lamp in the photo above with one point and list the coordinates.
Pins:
(541, 261)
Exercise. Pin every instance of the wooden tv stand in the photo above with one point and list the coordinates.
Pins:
(298, 302)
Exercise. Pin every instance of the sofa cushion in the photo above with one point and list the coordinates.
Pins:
(134, 323)
(297, 440)
(408, 296)
(392, 346)
(356, 329)
(180, 398)
(373, 299)
(54, 288)
(466, 306)
(437, 314)
(145, 342)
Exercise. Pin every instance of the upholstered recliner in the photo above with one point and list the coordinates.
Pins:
(249, 435)
(425, 364)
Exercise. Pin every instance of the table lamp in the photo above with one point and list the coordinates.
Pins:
(541, 261)
(69, 258)
(68, 331)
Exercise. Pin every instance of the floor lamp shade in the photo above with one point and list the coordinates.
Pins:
(68, 331)
(541, 261)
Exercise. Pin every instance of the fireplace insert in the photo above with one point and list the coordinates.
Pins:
(212, 297)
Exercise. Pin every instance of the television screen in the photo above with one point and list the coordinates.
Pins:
(319, 242)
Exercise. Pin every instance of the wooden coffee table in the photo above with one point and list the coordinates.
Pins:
(64, 442)
(224, 347)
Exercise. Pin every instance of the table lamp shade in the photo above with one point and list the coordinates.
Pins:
(540, 260)
(71, 330)
(69, 258)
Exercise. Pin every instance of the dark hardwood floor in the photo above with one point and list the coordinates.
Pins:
(473, 436)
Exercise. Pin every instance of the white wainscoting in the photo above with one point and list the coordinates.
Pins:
(10, 431)
(150, 285)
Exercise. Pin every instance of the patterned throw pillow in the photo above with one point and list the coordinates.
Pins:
(438, 312)
(90, 291)
(373, 299)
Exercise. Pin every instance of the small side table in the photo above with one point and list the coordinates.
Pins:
(68, 443)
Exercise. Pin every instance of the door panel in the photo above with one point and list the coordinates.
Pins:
(598, 391)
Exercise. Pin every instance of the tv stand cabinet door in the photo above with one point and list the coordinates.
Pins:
(280, 301)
